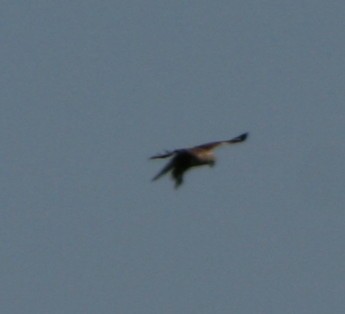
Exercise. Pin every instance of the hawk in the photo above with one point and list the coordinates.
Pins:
(185, 158)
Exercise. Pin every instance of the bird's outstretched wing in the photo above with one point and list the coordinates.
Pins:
(212, 145)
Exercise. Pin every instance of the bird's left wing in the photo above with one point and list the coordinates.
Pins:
(165, 155)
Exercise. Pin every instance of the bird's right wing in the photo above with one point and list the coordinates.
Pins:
(165, 170)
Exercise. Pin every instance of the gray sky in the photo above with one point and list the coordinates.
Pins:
(91, 89)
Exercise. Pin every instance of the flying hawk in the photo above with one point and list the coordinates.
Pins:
(185, 158)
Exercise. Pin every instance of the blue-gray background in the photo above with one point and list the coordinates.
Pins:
(90, 89)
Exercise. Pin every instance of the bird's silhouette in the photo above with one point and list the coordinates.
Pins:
(186, 158)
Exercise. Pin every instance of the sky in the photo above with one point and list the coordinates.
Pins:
(92, 89)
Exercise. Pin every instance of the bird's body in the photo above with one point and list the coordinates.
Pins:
(186, 158)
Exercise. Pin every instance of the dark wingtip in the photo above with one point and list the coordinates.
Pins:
(240, 138)
(244, 136)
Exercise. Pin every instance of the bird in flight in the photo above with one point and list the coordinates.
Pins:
(185, 158)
